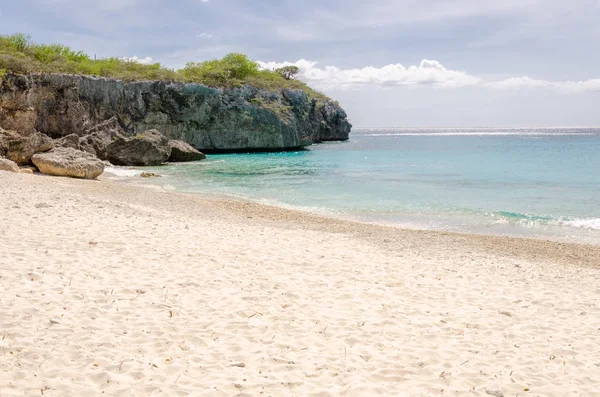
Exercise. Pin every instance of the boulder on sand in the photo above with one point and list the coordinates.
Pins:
(182, 152)
(148, 148)
(22, 147)
(28, 169)
(68, 162)
(8, 165)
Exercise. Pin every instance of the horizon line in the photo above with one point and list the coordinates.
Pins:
(474, 127)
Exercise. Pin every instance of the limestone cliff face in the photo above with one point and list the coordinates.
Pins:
(210, 119)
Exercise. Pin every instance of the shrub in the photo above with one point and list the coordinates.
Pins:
(50, 53)
(17, 42)
(15, 63)
(231, 70)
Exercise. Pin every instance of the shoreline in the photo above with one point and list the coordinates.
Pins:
(124, 290)
(500, 221)
(561, 248)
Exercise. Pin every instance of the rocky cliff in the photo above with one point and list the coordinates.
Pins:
(210, 119)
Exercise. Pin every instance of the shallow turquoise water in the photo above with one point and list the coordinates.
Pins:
(543, 182)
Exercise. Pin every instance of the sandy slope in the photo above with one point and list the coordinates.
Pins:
(116, 290)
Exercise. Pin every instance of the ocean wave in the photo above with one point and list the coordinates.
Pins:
(524, 217)
(536, 220)
(589, 223)
(121, 172)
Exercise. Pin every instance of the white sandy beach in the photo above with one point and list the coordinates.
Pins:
(109, 289)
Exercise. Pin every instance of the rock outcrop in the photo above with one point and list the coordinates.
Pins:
(71, 140)
(20, 147)
(97, 138)
(210, 119)
(4, 137)
(148, 148)
(8, 165)
(68, 162)
(182, 152)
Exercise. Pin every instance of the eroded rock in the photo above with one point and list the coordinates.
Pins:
(147, 148)
(28, 169)
(149, 175)
(183, 152)
(8, 165)
(71, 140)
(111, 125)
(22, 147)
(210, 119)
(97, 139)
(68, 162)
(3, 142)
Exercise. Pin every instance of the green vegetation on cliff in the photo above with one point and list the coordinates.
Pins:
(20, 55)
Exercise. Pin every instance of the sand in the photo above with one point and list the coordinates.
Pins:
(111, 289)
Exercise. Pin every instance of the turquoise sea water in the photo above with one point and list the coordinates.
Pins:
(541, 182)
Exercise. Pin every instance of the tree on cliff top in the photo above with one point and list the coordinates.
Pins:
(288, 72)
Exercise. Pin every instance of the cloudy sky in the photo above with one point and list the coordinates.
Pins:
(389, 62)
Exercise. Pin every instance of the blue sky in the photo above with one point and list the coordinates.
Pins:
(389, 63)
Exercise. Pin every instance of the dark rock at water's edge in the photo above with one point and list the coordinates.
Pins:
(148, 148)
(210, 119)
(184, 152)
(149, 175)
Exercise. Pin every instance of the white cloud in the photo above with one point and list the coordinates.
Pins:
(204, 35)
(143, 61)
(428, 72)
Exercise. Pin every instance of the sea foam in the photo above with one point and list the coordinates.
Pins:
(121, 172)
(589, 223)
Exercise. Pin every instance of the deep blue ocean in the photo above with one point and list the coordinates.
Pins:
(542, 182)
